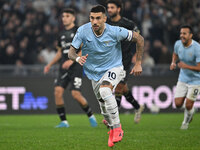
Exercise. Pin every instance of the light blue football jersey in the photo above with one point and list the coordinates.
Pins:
(191, 56)
(104, 52)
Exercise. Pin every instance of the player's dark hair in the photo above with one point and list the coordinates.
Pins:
(98, 8)
(187, 26)
(118, 3)
(69, 10)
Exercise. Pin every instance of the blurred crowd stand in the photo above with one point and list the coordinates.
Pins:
(29, 28)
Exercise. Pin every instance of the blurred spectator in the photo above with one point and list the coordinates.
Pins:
(173, 30)
(165, 56)
(9, 55)
(157, 29)
(48, 36)
(155, 51)
(148, 61)
(142, 10)
(146, 25)
(128, 11)
(46, 55)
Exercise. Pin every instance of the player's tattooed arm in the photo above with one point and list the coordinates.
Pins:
(72, 53)
(137, 69)
(73, 56)
(139, 46)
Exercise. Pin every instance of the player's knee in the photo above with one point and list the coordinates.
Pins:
(119, 90)
(58, 93)
(75, 94)
(125, 89)
(188, 106)
(106, 83)
(105, 92)
(178, 103)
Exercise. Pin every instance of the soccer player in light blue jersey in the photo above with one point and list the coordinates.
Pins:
(187, 51)
(102, 62)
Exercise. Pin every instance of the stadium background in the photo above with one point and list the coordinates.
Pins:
(28, 30)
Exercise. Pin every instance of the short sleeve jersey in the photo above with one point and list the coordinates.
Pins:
(128, 48)
(191, 56)
(104, 52)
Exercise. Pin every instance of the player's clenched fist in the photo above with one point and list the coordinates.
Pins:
(173, 66)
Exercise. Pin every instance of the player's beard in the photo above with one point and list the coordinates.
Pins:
(96, 28)
(113, 15)
(184, 41)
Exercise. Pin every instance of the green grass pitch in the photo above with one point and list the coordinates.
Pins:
(154, 132)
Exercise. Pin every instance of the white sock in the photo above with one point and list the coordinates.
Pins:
(112, 109)
(104, 113)
(110, 106)
(183, 106)
(188, 115)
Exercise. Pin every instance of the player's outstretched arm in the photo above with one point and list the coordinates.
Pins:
(137, 69)
(73, 56)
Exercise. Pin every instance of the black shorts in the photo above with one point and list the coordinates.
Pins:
(72, 77)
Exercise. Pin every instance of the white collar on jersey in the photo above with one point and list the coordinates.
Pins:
(189, 45)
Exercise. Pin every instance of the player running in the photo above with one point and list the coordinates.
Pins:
(187, 51)
(72, 75)
(102, 62)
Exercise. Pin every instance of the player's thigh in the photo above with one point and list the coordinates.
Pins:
(180, 93)
(76, 78)
(62, 80)
(193, 92)
(113, 76)
(181, 89)
(189, 104)
(58, 92)
(76, 82)
(120, 88)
